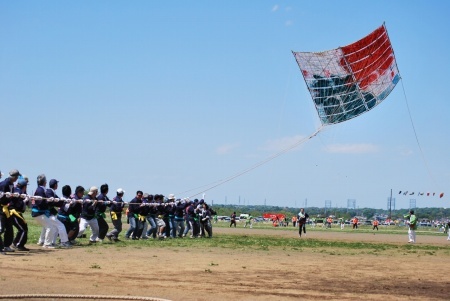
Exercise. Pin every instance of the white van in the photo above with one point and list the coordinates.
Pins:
(244, 216)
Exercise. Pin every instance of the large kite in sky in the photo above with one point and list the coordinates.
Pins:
(348, 81)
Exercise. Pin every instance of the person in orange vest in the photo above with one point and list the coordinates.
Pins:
(355, 223)
(375, 224)
(329, 221)
(294, 221)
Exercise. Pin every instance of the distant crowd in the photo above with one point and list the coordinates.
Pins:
(66, 218)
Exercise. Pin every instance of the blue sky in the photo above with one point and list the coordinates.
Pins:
(170, 96)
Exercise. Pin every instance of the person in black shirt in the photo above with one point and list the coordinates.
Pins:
(88, 215)
(233, 220)
(17, 207)
(103, 203)
(6, 227)
(116, 215)
(134, 209)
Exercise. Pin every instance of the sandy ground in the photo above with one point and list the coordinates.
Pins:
(236, 274)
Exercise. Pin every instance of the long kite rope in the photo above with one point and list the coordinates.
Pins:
(268, 159)
(90, 297)
(417, 138)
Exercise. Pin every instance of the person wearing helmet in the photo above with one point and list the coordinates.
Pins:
(116, 210)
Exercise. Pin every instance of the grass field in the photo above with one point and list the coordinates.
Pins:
(263, 263)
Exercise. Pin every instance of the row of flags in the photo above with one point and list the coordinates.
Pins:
(422, 193)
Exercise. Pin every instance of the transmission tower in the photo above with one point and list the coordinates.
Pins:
(390, 203)
(412, 204)
(351, 204)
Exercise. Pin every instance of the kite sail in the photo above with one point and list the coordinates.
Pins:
(351, 80)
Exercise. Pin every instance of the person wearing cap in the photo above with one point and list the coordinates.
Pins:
(103, 203)
(88, 215)
(6, 221)
(41, 213)
(160, 210)
(55, 202)
(170, 217)
(412, 223)
(180, 207)
(134, 210)
(145, 211)
(16, 208)
(116, 210)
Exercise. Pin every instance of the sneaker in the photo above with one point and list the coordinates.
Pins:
(40, 244)
(92, 241)
(23, 249)
(145, 237)
(65, 245)
(8, 249)
(49, 247)
(108, 237)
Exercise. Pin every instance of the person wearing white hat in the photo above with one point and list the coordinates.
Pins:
(116, 210)
(88, 215)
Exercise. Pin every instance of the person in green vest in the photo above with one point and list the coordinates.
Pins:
(412, 223)
(249, 222)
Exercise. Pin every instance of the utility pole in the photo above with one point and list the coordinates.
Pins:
(390, 207)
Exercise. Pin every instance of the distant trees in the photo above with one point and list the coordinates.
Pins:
(258, 210)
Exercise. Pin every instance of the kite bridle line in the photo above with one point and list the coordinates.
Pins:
(417, 139)
(268, 159)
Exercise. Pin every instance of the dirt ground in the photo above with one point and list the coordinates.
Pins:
(234, 274)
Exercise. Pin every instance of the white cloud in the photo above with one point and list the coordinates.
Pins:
(226, 149)
(406, 152)
(275, 8)
(283, 143)
(362, 148)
